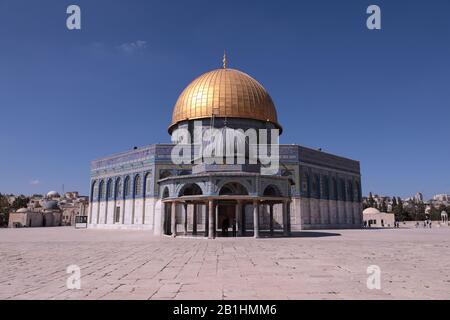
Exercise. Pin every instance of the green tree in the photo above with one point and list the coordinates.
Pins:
(394, 202)
(399, 212)
(20, 202)
(371, 201)
(4, 210)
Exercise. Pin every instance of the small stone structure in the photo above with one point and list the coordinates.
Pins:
(373, 218)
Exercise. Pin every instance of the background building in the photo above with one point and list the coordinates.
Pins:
(51, 210)
(373, 218)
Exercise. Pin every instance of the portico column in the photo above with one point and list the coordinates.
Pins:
(271, 218)
(211, 210)
(173, 227)
(285, 218)
(194, 219)
(206, 222)
(185, 205)
(240, 232)
(256, 219)
(216, 219)
(163, 218)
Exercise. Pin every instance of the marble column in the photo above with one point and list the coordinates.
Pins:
(256, 219)
(206, 222)
(271, 218)
(185, 225)
(163, 218)
(285, 218)
(173, 221)
(216, 219)
(211, 231)
(194, 219)
(239, 221)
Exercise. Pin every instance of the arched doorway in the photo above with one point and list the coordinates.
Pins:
(191, 220)
(226, 215)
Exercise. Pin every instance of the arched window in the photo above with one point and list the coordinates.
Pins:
(126, 187)
(350, 194)
(358, 191)
(148, 183)
(94, 190)
(334, 189)
(316, 186)
(118, 189)
(137, 185)
(101, 192)
(326, 188)
(342, 192)
(305, 186)
(109, 189)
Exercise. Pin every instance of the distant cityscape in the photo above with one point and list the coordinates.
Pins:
(50, 210)
(414, 208)
(54, 209)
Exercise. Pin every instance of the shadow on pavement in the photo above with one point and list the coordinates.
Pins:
(302, 234)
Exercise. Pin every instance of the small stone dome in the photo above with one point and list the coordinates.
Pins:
(52, 194)
(371, 211)
(22, 210)
(51, 205)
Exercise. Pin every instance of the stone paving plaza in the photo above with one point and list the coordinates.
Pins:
(415, 264)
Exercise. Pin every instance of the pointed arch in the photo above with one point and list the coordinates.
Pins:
(272, 191)
(191, 189)
(233, 188)
(109, 190)
(118, 189)
(137, 189)
(127, 187)
(101, 190)
(166, 193)
(147, 183)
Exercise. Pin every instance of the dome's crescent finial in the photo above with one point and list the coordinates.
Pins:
(225, 61)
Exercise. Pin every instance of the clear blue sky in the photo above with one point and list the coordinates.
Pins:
(381, 97)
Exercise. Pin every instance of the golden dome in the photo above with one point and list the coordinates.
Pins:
(224, 93)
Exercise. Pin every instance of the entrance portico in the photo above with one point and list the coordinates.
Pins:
(214, 210)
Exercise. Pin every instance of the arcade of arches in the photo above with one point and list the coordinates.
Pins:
(226, 214)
